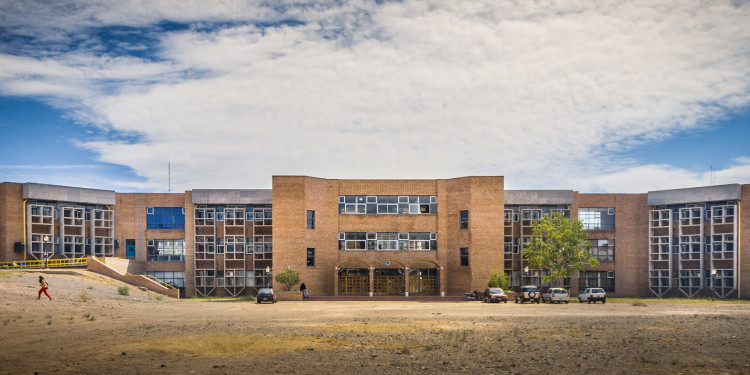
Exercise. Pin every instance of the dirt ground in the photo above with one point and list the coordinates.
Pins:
(145, 334)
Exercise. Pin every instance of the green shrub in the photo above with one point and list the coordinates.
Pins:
(123, 290)
(288, 277)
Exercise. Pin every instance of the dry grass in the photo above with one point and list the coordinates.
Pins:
(232, 345)
(675, 301)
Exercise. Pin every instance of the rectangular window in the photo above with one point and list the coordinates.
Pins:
(463, 221)
(165, 218)
(165, 250)
(310, 219)
(310, 257)
(597, 218)
(464, 256)
(603, 250)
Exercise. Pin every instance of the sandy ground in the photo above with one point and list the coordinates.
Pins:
(140, 334)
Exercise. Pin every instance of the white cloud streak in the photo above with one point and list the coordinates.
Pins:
(543, 93)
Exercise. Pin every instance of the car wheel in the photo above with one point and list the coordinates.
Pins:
(516, 300)
(566, 302)
(580, 300)
(604, 301)
(589, 300)
(258, 301)
(506, 301)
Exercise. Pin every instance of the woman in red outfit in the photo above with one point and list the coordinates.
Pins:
(44, 286)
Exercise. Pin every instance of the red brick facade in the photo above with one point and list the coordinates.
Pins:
(293, 196)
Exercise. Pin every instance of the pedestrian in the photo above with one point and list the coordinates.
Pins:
(303, 289)
(43, 284)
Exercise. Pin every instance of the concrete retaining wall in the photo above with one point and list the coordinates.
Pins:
(95, 265)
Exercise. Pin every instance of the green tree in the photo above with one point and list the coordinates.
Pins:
(288, 277)
(498, 281)
(560, 245)
(494, 280)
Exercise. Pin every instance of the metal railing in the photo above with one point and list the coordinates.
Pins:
(51, 263)
(154, 279)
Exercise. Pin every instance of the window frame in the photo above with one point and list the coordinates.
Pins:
(463, 257)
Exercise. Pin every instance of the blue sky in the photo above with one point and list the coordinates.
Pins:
(605, 97)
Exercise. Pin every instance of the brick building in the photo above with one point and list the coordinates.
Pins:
(386, 237)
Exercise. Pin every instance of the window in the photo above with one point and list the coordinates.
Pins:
(463, 221)
(597, 279)
(464, 256)
(175, 279)
(310, 257)
(165, 218)
(603, 250)
(388, 204)
(310, 219)
(597, 218)
(165, 250)
(387, 241)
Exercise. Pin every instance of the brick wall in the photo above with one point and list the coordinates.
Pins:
(11, 220)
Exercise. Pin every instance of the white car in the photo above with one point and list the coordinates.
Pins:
(592, 295)
(555, 295)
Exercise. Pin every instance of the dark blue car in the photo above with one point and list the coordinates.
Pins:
(266, 294)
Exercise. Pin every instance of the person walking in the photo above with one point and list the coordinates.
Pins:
(303, 289)
(43, 284)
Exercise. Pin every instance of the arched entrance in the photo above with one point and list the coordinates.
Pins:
(353, 278)
(423, 278)
(388, 278)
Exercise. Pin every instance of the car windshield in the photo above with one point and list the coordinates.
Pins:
(265, 291)
(558, 291)
(495, 290)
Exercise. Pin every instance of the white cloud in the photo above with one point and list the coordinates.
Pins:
(541, 93)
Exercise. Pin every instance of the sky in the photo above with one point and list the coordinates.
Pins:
(157, 96)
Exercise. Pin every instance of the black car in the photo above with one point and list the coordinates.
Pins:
(266, 294)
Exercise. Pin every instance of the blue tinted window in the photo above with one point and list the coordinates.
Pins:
(165, 218)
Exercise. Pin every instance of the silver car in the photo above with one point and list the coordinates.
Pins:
(592, 295)
(555, 295)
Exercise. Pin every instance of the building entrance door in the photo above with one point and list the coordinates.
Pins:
(354, 281)
(130, 249)
(423, 281)
(389, 281)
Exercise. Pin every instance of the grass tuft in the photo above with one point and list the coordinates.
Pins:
(84, 296)
(123, 290)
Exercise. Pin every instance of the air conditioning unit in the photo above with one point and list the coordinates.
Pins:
(229, 274)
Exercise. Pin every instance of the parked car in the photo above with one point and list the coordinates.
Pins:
(266, 294)
(495, 295)
(555, 295)
(528, 293)
(592, 295)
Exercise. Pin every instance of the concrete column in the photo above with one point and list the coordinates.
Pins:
(372, 280)
(406, 282)
(442, 281)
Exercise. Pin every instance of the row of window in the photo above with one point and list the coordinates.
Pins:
(388, 204)
(234, 244)
(393, 241)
